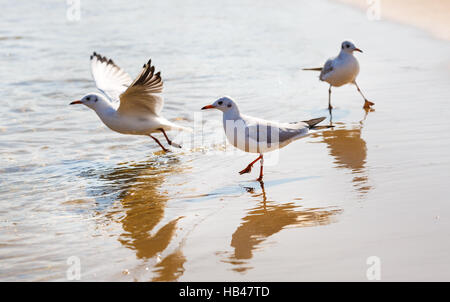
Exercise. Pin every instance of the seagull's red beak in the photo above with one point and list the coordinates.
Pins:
(208, 107)
(357, 49)
(76, 102)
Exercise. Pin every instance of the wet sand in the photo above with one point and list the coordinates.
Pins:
(375, 185)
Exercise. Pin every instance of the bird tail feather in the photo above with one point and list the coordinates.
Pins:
(313, 69)
(322, 127)
(313, 122)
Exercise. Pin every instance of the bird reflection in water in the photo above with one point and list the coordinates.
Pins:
(267, 219)
(142, 206)
(171, 267)
(349, 150)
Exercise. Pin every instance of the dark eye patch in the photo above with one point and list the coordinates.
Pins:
(88, 98)
(229, 105)
(220, 103)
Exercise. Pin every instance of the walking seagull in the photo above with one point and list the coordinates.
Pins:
(127, 106)
(256, 135)
(342, 70)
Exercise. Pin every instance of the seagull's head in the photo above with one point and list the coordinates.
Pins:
(92, 100)
(224, 104)
(349, 47)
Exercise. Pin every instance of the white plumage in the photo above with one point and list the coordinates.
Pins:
(255, 135)
(340, 70)
(127, 106)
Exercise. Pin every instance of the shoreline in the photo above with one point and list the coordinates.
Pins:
(432, 16)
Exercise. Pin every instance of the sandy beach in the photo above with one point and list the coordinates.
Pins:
(373, 187)
(433, 15)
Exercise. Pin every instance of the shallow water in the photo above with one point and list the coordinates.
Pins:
(375, 185)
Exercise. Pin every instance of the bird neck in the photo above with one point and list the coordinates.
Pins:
(232, 114)
(344, 54)
(104, 108)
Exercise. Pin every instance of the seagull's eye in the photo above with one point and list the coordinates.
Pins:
(220, 103)
(348, 46)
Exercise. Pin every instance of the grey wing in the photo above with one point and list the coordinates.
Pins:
(109, 77)
(272, 133)
(327, 68)
(288, 134)
(143, 95)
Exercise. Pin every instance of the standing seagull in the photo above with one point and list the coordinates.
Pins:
(126, 106)
(342, 70)
(256, 135)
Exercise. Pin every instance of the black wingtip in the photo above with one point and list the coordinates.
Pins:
(322, 127)
(313, 122)
(102, 59)
(313, 69)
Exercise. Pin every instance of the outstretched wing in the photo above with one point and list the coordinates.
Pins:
(143, 95)
(327, 68)
(109, 78)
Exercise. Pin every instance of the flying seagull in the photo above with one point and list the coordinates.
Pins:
(127, 106)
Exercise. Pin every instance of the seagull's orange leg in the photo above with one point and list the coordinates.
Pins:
(250, 165)
(261, 169)
(168, 140)
(329, 99)
(367, 103)
(156, 140)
